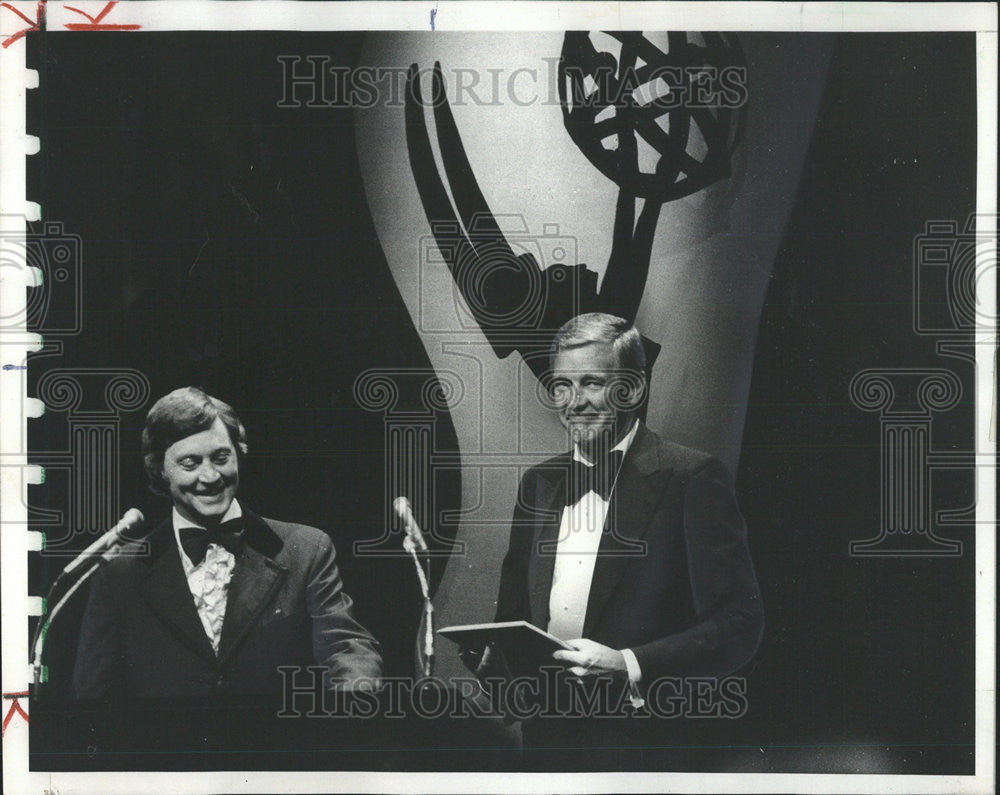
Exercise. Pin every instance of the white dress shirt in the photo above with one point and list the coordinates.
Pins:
(580, 532)
(209, 580)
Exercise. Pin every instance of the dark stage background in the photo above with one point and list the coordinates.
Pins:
(227, 243)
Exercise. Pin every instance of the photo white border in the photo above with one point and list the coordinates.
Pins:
(163, 15)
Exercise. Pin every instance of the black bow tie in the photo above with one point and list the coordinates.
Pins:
(195, 540)
(599, 478)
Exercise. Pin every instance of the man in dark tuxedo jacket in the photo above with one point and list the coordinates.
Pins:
(221, 597)
(629, 548)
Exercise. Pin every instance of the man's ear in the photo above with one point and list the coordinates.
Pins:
(626, 390)
(160, 485)
(641, 390)
(637, 390)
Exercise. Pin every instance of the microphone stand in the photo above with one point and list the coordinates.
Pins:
(106, 547)
(42, 628)
(427, 658)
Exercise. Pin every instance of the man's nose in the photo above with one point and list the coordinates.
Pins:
(208, 473)
(579, 399)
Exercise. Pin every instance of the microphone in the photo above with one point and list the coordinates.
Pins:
(106, 544)
(133, 518)
(401, 506)
(415, 540)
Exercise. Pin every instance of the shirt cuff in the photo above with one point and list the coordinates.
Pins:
(634, 677)
(632, 666)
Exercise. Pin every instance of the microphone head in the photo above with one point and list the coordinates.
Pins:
(401, 506)
(132, 520)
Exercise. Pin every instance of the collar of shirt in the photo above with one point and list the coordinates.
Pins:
(234, 512)
(623, 445)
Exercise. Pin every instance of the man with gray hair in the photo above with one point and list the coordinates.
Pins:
(629, 548)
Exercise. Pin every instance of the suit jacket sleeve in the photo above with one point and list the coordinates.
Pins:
(513, 603)
(100, 656)
(340, 643)
(727, 603)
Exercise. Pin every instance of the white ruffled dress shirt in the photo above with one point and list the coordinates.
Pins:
(209, 580)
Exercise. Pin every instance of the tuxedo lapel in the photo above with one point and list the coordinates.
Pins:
(549, 502)
(255, 581)
(637, 492)
(166, 592)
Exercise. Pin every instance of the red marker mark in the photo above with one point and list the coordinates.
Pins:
(95, 22)
(35, 25)
(13, 697)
